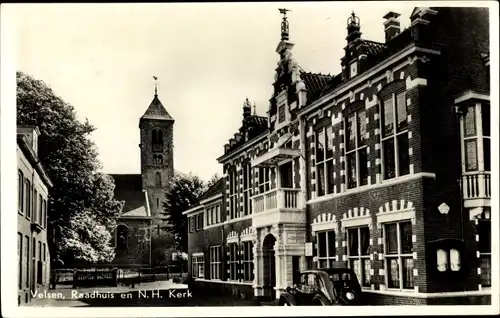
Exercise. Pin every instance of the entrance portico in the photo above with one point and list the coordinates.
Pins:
(279, 219)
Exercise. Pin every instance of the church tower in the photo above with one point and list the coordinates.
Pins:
(157, 157)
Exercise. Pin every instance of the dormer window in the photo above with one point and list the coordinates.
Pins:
(354, 69)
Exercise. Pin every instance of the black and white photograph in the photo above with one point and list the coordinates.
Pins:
(176, 156)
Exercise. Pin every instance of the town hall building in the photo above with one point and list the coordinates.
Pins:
(142, 194)
(383, 168)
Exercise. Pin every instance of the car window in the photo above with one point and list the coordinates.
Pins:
(309, 283)
(340, 276)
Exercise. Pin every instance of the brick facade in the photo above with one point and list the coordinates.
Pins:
(426, 66)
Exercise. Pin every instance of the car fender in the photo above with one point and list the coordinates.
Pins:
(287, 297)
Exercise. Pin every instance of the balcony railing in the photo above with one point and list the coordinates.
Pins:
(282, 198)
(476, 185)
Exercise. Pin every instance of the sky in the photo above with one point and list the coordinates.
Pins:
(101, 58)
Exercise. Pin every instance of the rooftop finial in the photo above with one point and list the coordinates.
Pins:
(254, 109)
(156, 87)
(284, 24)
(353, 19)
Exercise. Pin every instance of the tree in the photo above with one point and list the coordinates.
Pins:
(213, 180)
(79, 194)
(86, 240)
(162, 248)
(184, 191)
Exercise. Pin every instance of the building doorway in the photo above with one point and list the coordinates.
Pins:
(269, 266)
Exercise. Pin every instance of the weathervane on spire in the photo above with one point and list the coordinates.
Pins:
(156, 88)
(284, 24)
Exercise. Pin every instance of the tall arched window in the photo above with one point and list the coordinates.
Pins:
(157, 140)
(157, 179)
(121, 237)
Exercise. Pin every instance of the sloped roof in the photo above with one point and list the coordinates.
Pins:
(215, 189)
(374, 48)
(315, 83)
(128, 189)
(156, 111)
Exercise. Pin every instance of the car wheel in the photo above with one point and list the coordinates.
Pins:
(320, 300)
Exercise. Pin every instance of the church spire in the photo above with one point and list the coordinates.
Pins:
(156, 87)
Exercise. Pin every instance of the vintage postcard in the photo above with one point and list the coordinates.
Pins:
(187, 159)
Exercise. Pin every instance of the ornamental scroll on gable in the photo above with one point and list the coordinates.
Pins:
(289, 89)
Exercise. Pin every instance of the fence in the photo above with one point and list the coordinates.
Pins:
(91, 277)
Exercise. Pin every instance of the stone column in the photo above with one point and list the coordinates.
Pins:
(258, 265)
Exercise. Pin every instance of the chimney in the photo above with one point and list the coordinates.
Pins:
(391, 25)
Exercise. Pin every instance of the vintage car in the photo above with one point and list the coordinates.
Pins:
(323, 287)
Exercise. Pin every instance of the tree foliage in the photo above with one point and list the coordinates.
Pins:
(184, 191)
(81, 199)
(213, 180)
(162, 248)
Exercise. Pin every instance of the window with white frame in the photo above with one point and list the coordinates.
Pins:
(398, 253)
(247, 188)
(356, 150)
(215, 262)
(213, 214)
(191, 224)
(45, 207)
(326, 248)
(20, 259)
(324, 161)
(476, 136)
(247, 261)
(20, 191)
(198, 266)
(394, 132)
(39, 208)
(199, 223)
(36, 206)
(233, 195)
(233, 261)
(27, 197)
(264, 180)
(358, 253)
(484, 232)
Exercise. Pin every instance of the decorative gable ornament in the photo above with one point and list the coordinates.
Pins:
(443, 208)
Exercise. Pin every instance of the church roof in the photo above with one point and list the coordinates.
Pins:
(156, 111)
(128, 190)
